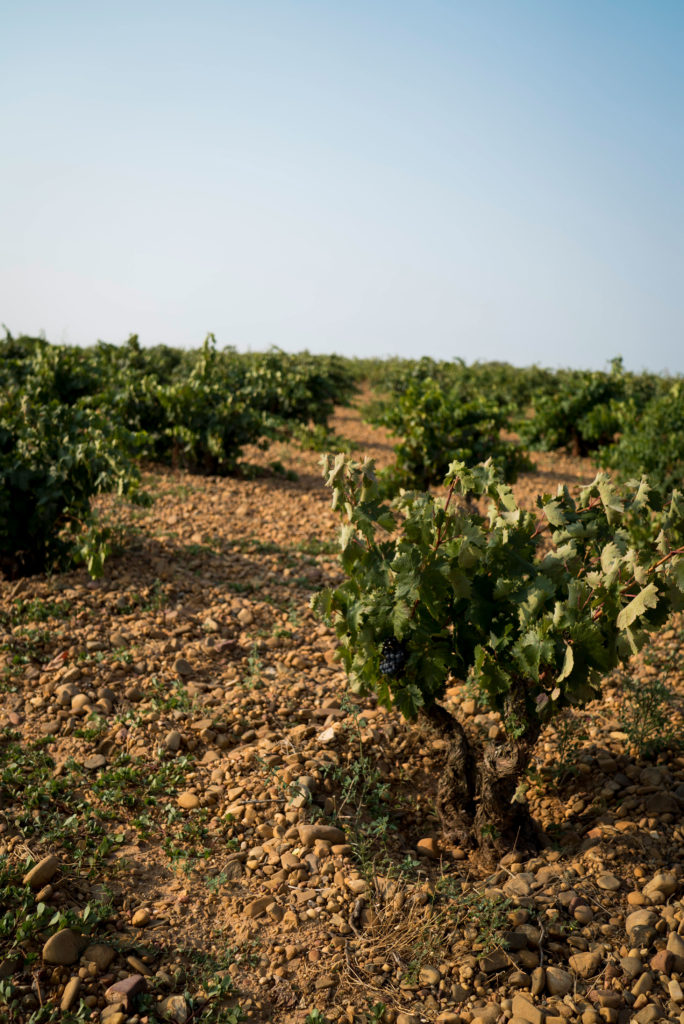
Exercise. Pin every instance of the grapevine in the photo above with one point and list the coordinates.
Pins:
(533, 609)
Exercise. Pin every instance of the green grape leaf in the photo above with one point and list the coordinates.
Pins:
(555, 513)
(568, 664)
(401, 616)
(645, 599)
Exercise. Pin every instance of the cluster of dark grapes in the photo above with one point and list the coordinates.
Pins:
(394, 655)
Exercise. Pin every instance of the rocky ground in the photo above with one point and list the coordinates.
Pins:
(197, 824)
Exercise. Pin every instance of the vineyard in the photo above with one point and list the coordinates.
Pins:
(338, 690)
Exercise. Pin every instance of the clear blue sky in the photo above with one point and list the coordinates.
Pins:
(490, 180)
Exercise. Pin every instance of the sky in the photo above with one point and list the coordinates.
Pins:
(482, 179)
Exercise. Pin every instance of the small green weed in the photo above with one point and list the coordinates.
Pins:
(169, 696)
(207, 975)
(48, 808)
(154, 598)
(483, 917)
(645, 715)
(24, 920)
(253, 678)
(96, 726)
(363, 796)
(38, 610)
(189, 843)
(315, 1017)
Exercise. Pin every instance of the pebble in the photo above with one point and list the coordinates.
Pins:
(643, 984)
(608, 882)
(137, 966)
(141, 917)
(639, 927)
(675, 991)
(70, 994)
(664, 883)
(488, 1014)
(493, 962)
(172, 740)
(41, 873)
(675, 945)
(538, 981)
(647, 1014)
(558, 981)
(94, 762)
(662, 962)
(429, 976)
(125, 990)
(586, 965)
(520, 885)
(518, 979)
(174, 1008)
(526, 1011)
(631, 966)
(258, 907)
(61, 948)
(428, 847)
(100, 954)
(188, 801)
(308, 834)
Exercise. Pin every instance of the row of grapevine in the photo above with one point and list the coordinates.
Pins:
(442, 421)
(75, 422)
(630, 423)
(199, 409)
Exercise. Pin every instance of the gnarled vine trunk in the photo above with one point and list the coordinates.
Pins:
(477, 790)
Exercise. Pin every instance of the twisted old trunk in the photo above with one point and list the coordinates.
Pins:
(477, 789)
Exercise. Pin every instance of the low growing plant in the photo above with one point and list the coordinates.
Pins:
(645, 715)
(440, 421)
(652, 440)
(533, 608)
(53, 460)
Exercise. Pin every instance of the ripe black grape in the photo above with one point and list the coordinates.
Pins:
(394, 656)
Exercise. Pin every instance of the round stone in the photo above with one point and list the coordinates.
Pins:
(558, 982)
(71, 990)
(172, 740)
(94, 762)
(99, 954)
(608, 882)
(188, 801)
(428, 847)
(41, 873)
(61, 948)
(430, 976)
